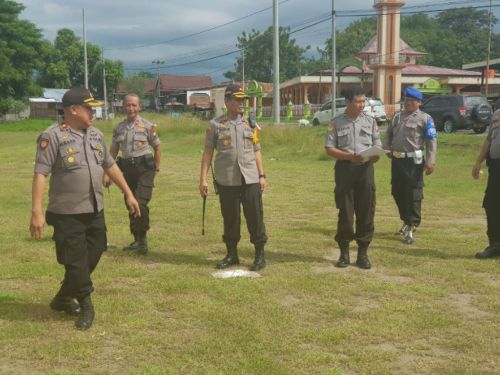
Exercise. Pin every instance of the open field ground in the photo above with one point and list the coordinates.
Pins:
(428, 308)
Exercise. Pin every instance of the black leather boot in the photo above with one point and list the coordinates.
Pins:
(230, 259)
(142, 241)
(491, 251)
(259, 262)
(344, 259)
(362, 261)
(134, 246)
(66, 304)
(87, 314)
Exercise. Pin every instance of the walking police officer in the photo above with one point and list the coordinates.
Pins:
(134, 137)
(239, 174)
(407, 134)
(75, 155)
(348, 135)
(490, 150)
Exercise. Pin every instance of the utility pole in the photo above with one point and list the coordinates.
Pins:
(334, 61)
(243, 68)
(158, 83)
(488, 56)
(276, 65)
(104, 87)
(86, 82)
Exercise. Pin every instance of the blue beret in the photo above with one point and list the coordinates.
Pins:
(413, 93)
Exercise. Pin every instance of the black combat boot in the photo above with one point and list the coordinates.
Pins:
(344, 259)
(134, 246)
(408, 234)
(230, 259)
(87, 314)
(362, 261)
(142, 241)
(66, 304)
(259, 262)
(491, 251)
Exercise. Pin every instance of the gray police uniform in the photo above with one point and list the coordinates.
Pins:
(134, 139)
(75, 161)
(491, 202)
(354, 182)
(406, 137)
(237, 177)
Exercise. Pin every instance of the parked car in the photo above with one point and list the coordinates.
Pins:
(373, 107)
(454, 112)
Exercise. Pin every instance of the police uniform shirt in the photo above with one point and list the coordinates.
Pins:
(236, 145)
(353, 135)
(406, 133)
(134, 138)
(75, 161)
(494, 136)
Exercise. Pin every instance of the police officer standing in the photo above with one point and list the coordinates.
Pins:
(134, 137)
(239, 174)
(75, 155)
(348, 135)
(406, 136)
(490, 150)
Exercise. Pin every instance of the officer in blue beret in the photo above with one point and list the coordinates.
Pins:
(411, 138)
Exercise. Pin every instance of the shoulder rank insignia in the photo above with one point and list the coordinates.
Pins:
(152, 131)
(44, 143)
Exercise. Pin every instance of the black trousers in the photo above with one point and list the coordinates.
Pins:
(80, 241)
(355, 195)
(408, 189)
(491, 202)
(140, 178)
(250, 197)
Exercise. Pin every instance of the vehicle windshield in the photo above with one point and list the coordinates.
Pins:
(475, 100)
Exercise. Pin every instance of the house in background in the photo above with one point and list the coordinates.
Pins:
(48, 106)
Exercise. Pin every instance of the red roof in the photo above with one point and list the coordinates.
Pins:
(404, 48)
(420, 70)
(178, 83)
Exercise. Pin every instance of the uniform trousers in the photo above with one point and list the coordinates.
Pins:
(80, 241)
(355, 195)
(408, 189)
(250, 197)
(140, 179)
(491, 201)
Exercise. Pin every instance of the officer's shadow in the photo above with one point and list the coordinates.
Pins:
(17, 309)
(165, 256)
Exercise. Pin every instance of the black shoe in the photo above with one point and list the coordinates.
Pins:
(344, 259)
(87, 314)
(228, 261)
(403, 229)
(142, 247)
(259, 262)
(491, 251)
(362, 261)
(408, 235)
(66, 304)
(134, 246)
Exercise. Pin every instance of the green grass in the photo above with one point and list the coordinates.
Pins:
(430, 308)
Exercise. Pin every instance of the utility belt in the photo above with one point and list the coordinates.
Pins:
(146, 160)
(418, 155)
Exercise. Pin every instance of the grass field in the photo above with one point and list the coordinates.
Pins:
(428, 308)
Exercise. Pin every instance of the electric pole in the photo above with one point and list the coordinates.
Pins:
(488, 56)
(86, 82)
(276, 65)
(104, 87)
(334, 61)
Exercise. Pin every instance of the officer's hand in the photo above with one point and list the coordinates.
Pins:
(262, 182)
(374, 158)
(133, 206)
(37, 223)
(203, 189)
(106, 181)
(476, 171)
(356, 158)
(429, 168)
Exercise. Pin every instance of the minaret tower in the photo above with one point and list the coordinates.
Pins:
(386, 65)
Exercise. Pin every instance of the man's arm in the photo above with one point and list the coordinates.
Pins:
(342, 155)
(206, 159)
(157, 154)
(116, 176)
(260, 168)
(37, 221)
(476, 170)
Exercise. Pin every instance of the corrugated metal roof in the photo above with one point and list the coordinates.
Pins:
(404, 48)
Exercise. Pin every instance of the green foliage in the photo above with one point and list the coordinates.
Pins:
(258, 49)
(21, 53)
(135, 82)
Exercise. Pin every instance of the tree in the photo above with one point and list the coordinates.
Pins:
(135, 82)
(258, 50)
(21, 53)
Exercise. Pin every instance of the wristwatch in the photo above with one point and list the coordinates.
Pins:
(262, 176)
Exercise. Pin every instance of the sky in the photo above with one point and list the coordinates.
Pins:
(140, 32)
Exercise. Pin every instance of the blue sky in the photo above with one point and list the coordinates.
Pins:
(141, 32)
